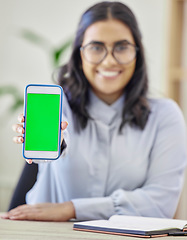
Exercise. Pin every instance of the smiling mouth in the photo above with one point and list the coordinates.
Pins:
(109, 73)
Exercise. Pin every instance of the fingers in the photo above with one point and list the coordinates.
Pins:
(29, 161)
(18, 128)
(64, 125)
(18, 139)
(10, 214)
(23, 212)
(4, 216)
(29, 212)
(42, 212)
(21, 118)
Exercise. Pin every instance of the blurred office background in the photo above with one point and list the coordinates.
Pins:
(164, 29)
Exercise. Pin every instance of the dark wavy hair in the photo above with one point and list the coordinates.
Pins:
(72, 79)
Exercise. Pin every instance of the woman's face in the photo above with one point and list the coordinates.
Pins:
(108, 78)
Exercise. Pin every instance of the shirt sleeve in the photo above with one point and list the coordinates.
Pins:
(159, 195)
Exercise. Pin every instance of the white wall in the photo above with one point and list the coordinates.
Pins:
(22, 63)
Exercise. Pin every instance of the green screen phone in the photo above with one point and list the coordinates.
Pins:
(43, 110)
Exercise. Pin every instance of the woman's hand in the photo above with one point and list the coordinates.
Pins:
(19, 129)
(56, 212)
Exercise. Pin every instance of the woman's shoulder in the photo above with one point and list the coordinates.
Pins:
(162, 104)
(165, 107)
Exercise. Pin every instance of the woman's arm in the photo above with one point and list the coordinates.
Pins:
(57, 212)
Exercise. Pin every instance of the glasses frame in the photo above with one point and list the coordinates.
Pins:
(112, 52)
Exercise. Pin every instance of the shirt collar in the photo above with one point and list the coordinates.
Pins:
(99, 110)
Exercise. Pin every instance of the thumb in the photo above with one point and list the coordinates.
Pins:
(64, 125)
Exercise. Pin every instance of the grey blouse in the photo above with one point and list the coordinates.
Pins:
(103, 172)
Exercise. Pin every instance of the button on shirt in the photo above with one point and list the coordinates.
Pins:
(105, 172)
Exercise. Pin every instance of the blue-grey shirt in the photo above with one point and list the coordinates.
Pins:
(103, 172)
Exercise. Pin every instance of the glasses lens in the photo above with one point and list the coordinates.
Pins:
(94, 52)
(124, 52)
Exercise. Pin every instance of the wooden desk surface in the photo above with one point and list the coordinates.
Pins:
(10, 230)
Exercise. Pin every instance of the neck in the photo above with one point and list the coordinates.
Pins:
(108, 98)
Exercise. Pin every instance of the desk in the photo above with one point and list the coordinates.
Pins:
(32, 230)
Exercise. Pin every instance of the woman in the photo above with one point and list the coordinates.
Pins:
(126, 153)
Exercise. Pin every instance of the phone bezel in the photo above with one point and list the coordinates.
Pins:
(43, 89)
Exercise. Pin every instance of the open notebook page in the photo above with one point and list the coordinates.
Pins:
(144, 223)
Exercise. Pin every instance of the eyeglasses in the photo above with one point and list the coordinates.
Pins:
(123, 51)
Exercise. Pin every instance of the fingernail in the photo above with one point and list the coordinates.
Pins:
(20, 139)
(29, 161)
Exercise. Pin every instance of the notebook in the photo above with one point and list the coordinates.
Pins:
(135, 226)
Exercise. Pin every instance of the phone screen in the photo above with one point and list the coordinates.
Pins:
(42, 124)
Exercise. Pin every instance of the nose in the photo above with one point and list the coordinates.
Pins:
(109, 59)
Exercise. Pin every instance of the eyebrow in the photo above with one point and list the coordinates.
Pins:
(96, 42)
(115, 43)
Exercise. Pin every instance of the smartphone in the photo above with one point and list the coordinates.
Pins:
(42, 112)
